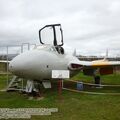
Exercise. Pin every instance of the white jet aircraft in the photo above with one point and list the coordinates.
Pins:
(38, 63)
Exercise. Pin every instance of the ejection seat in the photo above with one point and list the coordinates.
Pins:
(60, 49)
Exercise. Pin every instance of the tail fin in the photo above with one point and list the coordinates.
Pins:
(106, 56)
(74, 52)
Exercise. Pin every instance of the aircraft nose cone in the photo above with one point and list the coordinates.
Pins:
(16, 66)
(25, 64)
(21, 64)
(11, 66)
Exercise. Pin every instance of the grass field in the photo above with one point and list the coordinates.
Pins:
(72, 106)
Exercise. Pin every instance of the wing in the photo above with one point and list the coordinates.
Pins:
(90, 67)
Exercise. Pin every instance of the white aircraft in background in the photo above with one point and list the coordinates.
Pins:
(38, 63)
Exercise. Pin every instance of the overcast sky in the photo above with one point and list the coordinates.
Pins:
(90, 26)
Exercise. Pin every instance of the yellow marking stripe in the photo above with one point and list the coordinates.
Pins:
(100, 63)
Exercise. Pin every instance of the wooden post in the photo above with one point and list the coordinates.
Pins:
(60, 87)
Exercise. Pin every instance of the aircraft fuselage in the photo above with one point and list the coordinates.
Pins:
(39, 63)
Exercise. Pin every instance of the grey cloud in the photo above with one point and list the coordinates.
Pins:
(88, 25)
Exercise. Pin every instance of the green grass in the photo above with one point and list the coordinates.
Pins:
(3, 81)
(106, 79)
(72, 106)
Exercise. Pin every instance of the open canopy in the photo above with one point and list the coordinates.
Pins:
(51, 34)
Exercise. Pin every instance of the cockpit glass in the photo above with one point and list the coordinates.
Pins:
(58, 35)
(47, 35)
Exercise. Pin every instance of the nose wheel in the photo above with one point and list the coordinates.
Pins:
(33, 88)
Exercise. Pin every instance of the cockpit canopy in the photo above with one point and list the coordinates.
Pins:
(51, 38)
(50, 48)
(51, 34)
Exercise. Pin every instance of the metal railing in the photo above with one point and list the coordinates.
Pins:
(7, 53)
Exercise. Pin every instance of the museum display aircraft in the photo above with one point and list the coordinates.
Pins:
(37, 64)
